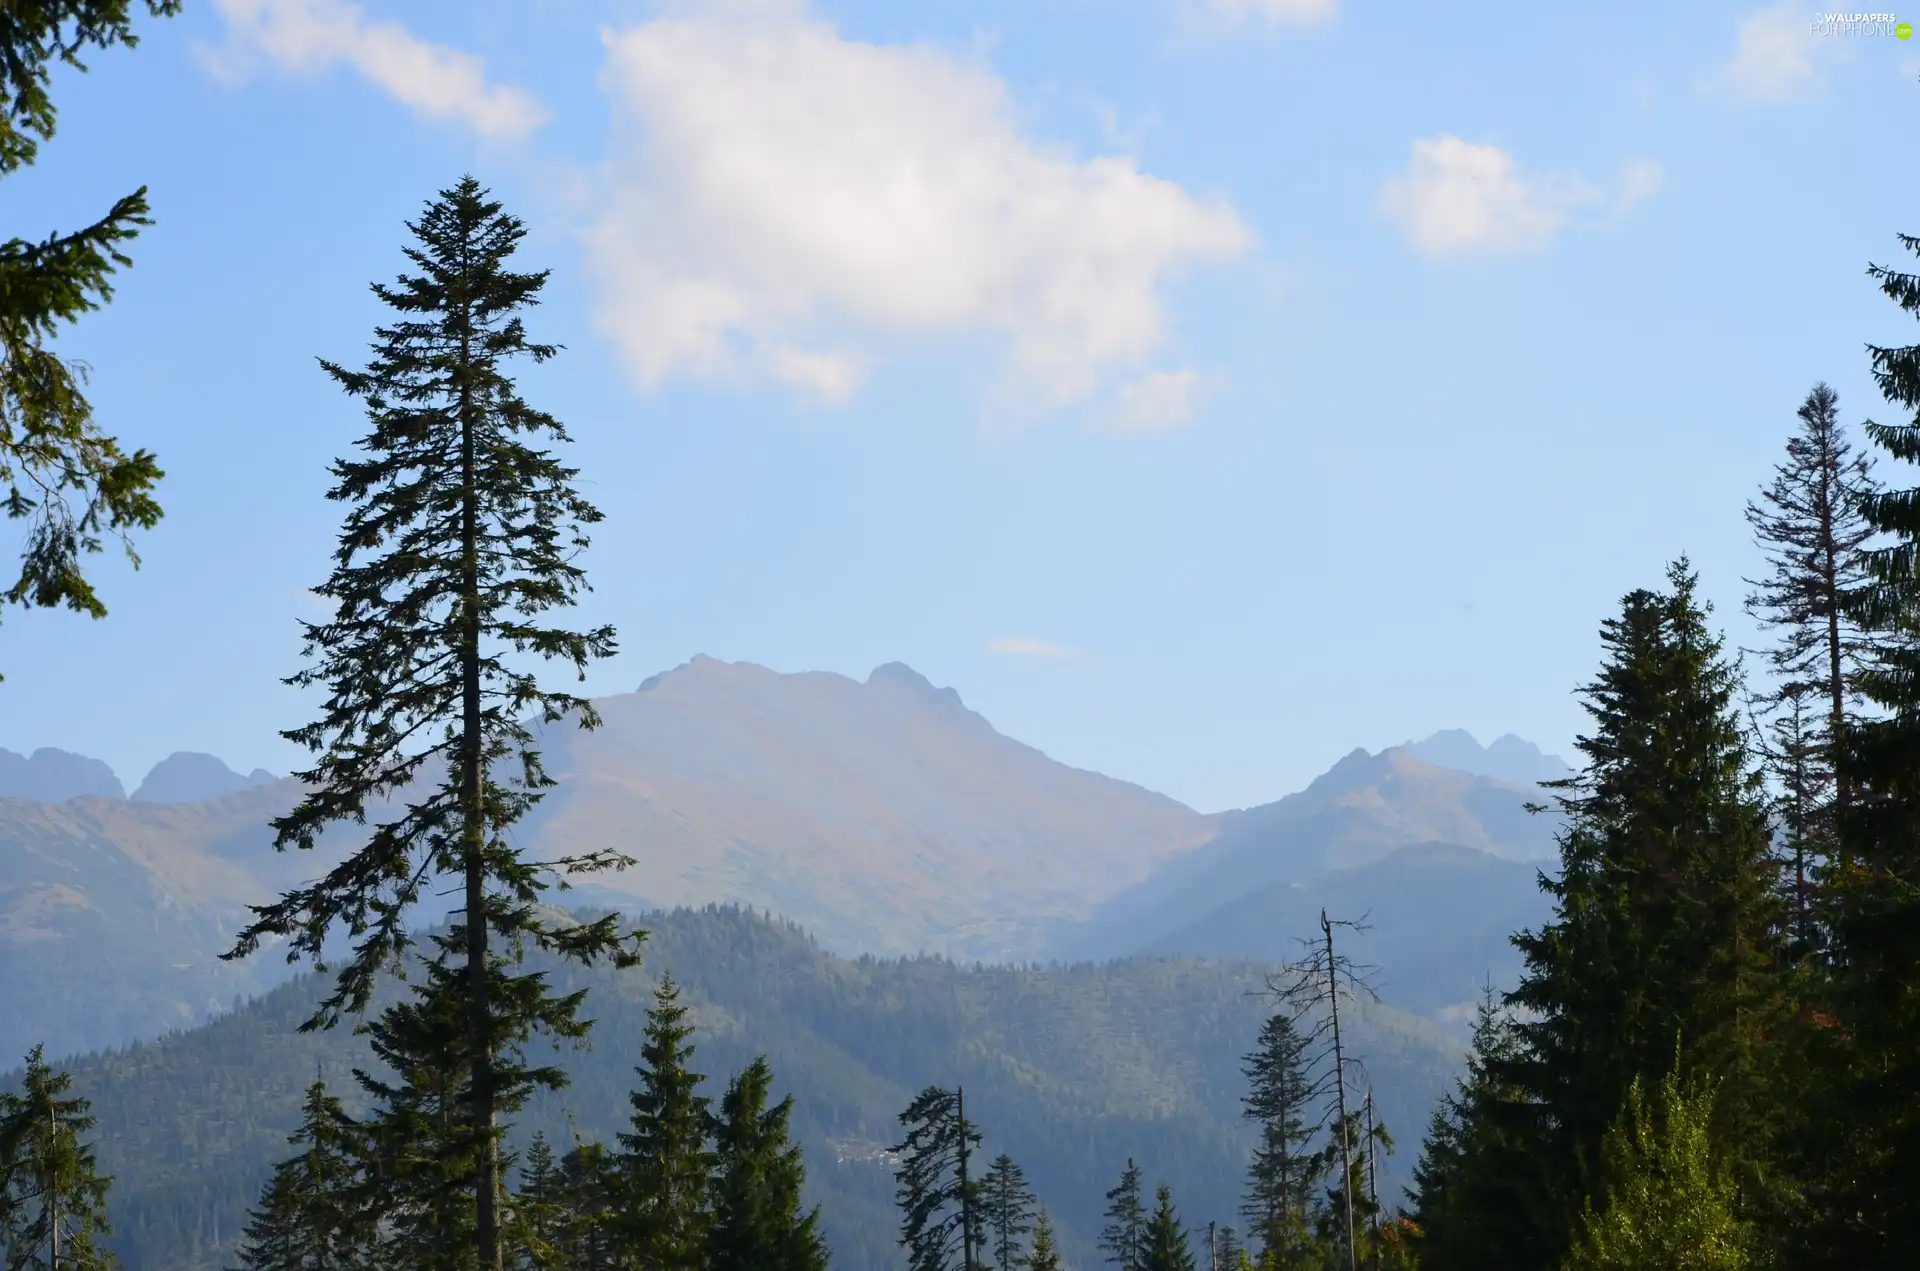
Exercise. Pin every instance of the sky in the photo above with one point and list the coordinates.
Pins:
(1202, 388)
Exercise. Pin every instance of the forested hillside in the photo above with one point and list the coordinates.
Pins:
(1071, 1071)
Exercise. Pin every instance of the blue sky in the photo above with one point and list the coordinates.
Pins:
(1202, 387)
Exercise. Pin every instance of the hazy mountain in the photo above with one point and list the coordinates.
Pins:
(1069, 1070)
(1361, 809)
(112, 914)
(884, 816)
(54, 776)
(1438, 917)
(1507, 758)
(187, 776)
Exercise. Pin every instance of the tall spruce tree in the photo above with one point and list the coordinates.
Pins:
(461, 534)
(1124, 1238)
(53, 1200)
(937, 1193)
(1665, 914)
(312, 1214)
(1811, 524)
(759, 1221)
(69, 480)
(666, 1154)
(1166, 1247)
(1286, 1170)
(1874, 1203)
(1006, 1211)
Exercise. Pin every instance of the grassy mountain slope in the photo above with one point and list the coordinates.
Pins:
(1071, 1070)
(112, 914)
(885, 816)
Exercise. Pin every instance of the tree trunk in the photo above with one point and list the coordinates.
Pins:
(1340, 1087)
(474, 833)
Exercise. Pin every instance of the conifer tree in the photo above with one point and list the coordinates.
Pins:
(1124, 1238)
(1006, 1210)
(1230, 1248)
(591, 1239)
(69, 480)
(1476, 1196)
(539, 1212)
(1811, 525)
(1874, 1206)
(53, 1201)
(421, 1136)
(1669, 1204)
(461, 535)
(666, 1158)
(1165, 1244)
(1045, 1255)
(1665, 915)
(759, 1222)
(311, 1215)
(1286, 1171)
(937, 1194)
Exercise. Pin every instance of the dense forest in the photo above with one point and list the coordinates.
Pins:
(1711, 1060)
(1065, 1069)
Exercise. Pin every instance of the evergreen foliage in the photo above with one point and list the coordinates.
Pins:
(70, 481)
(1044, 1256)
(1811, 525)
(1669, 1202)
(759, 1220)
(937, 1195)
(1006, 1212)
(1165, 1246)
(461, 533)
(666, 1161)
(1286, 1170)
(1124, 1238)
(1665, 923)
(314, 1213)
(53, 1200)
(1873, 1196)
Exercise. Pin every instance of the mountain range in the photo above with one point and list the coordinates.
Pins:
(883, 815)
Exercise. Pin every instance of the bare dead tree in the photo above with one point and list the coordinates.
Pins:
(1310, 990)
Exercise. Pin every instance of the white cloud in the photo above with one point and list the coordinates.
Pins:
(1274, 12)
(314, 35)
(1775, 57)
(1159, 402)
(777, 187)
(1460, 198)
(1022, 647)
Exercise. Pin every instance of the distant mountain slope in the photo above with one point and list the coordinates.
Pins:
(1071, 1071)
(1364, 807)
(54, 776)
(112, 914)
(187, 776)
(1506, 758)
(884, 815)
(1439, 917)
